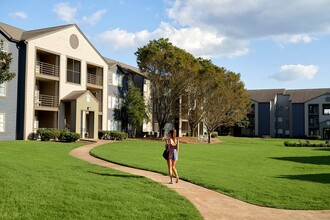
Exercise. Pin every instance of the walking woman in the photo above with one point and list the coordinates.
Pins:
(172, 144)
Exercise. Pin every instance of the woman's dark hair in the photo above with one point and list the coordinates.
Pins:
(173, 133)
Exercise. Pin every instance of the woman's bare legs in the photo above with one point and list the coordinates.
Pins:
(175, 171)
(170, 167)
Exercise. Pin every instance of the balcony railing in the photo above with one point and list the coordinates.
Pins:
(46, 100)
(47, 69)
(94, 79)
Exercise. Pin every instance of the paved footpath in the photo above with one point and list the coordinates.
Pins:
(212, 205)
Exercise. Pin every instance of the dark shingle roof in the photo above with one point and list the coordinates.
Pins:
(124, 66)
(17, 34)
(296, 95)
(13, 33)
(264, 95)
(44, 31)
(304, 95)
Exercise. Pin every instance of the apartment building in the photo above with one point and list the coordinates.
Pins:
(61, 81)
(289, 113)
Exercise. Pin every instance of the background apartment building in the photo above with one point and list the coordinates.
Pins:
(289, 113)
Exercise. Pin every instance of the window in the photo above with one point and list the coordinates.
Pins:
(73, 71)
(110, 79)
(2, 122)
(287, 132)
(109, 125)
(115, 102)
(326, 109)
(117, 79)
(3, 89)
(279, 119)
(280, 131)
(117, 125)
(109, 102)
(286, 108)
(5, 47)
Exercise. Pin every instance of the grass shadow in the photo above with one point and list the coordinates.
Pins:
(116, 175)
(317, 178)
(318, 160)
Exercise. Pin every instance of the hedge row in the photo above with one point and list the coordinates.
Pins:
(47, 134)
(112, 135)
(305, 144)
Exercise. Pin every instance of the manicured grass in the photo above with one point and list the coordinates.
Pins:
(259, 171)
(39, 180)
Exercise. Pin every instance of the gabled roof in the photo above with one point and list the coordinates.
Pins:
(13, 33)
(296, 95)
(304, 95)
(74, 95)
(124, 66)
(264, 95)
(17, 34)
(27, 35)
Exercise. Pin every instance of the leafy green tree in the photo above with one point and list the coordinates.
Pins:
(134, 109)
(169, 69)
(5, 61)
(226, 101)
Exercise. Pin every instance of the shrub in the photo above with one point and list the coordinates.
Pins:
(69, 136)
(47, 134)
(214, 134)
(112, 135)
(286, 143)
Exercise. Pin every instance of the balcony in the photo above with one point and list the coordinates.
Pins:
(47, 70)
(46, 102)
(94, 80)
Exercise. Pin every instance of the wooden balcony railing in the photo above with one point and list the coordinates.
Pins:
(47, 69)
(94, 79)
(46, 100)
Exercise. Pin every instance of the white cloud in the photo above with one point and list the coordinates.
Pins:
(193, 40)
(294, 39)
(65, 12)
(254, 19)
(94, 18)
(19, 14)
(295, 72)
(68, 13)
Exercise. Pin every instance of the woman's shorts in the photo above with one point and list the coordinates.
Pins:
(175, 155)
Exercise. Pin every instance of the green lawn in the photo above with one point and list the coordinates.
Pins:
(259, 171)
(40, 180)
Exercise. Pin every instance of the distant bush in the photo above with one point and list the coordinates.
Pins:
(304, 144)
(67, 136)
(47, 134)
(214, 134)
(112, 135)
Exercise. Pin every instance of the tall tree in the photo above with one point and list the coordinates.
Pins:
(225, 101)
(169, 69)
(134, 109)
(5, 61)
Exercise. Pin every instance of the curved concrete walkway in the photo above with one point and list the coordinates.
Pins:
(212, 205)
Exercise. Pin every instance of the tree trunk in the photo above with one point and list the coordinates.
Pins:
(209, 137)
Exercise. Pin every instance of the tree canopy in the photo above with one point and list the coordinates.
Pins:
(5, 61)
(181, 83)
(168, 68)
(134, 109)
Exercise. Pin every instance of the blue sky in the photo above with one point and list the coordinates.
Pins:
(272, 44)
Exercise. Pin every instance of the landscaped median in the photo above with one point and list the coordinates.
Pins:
(258, 171)
(40, 180)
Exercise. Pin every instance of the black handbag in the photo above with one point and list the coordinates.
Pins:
(166, 154)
